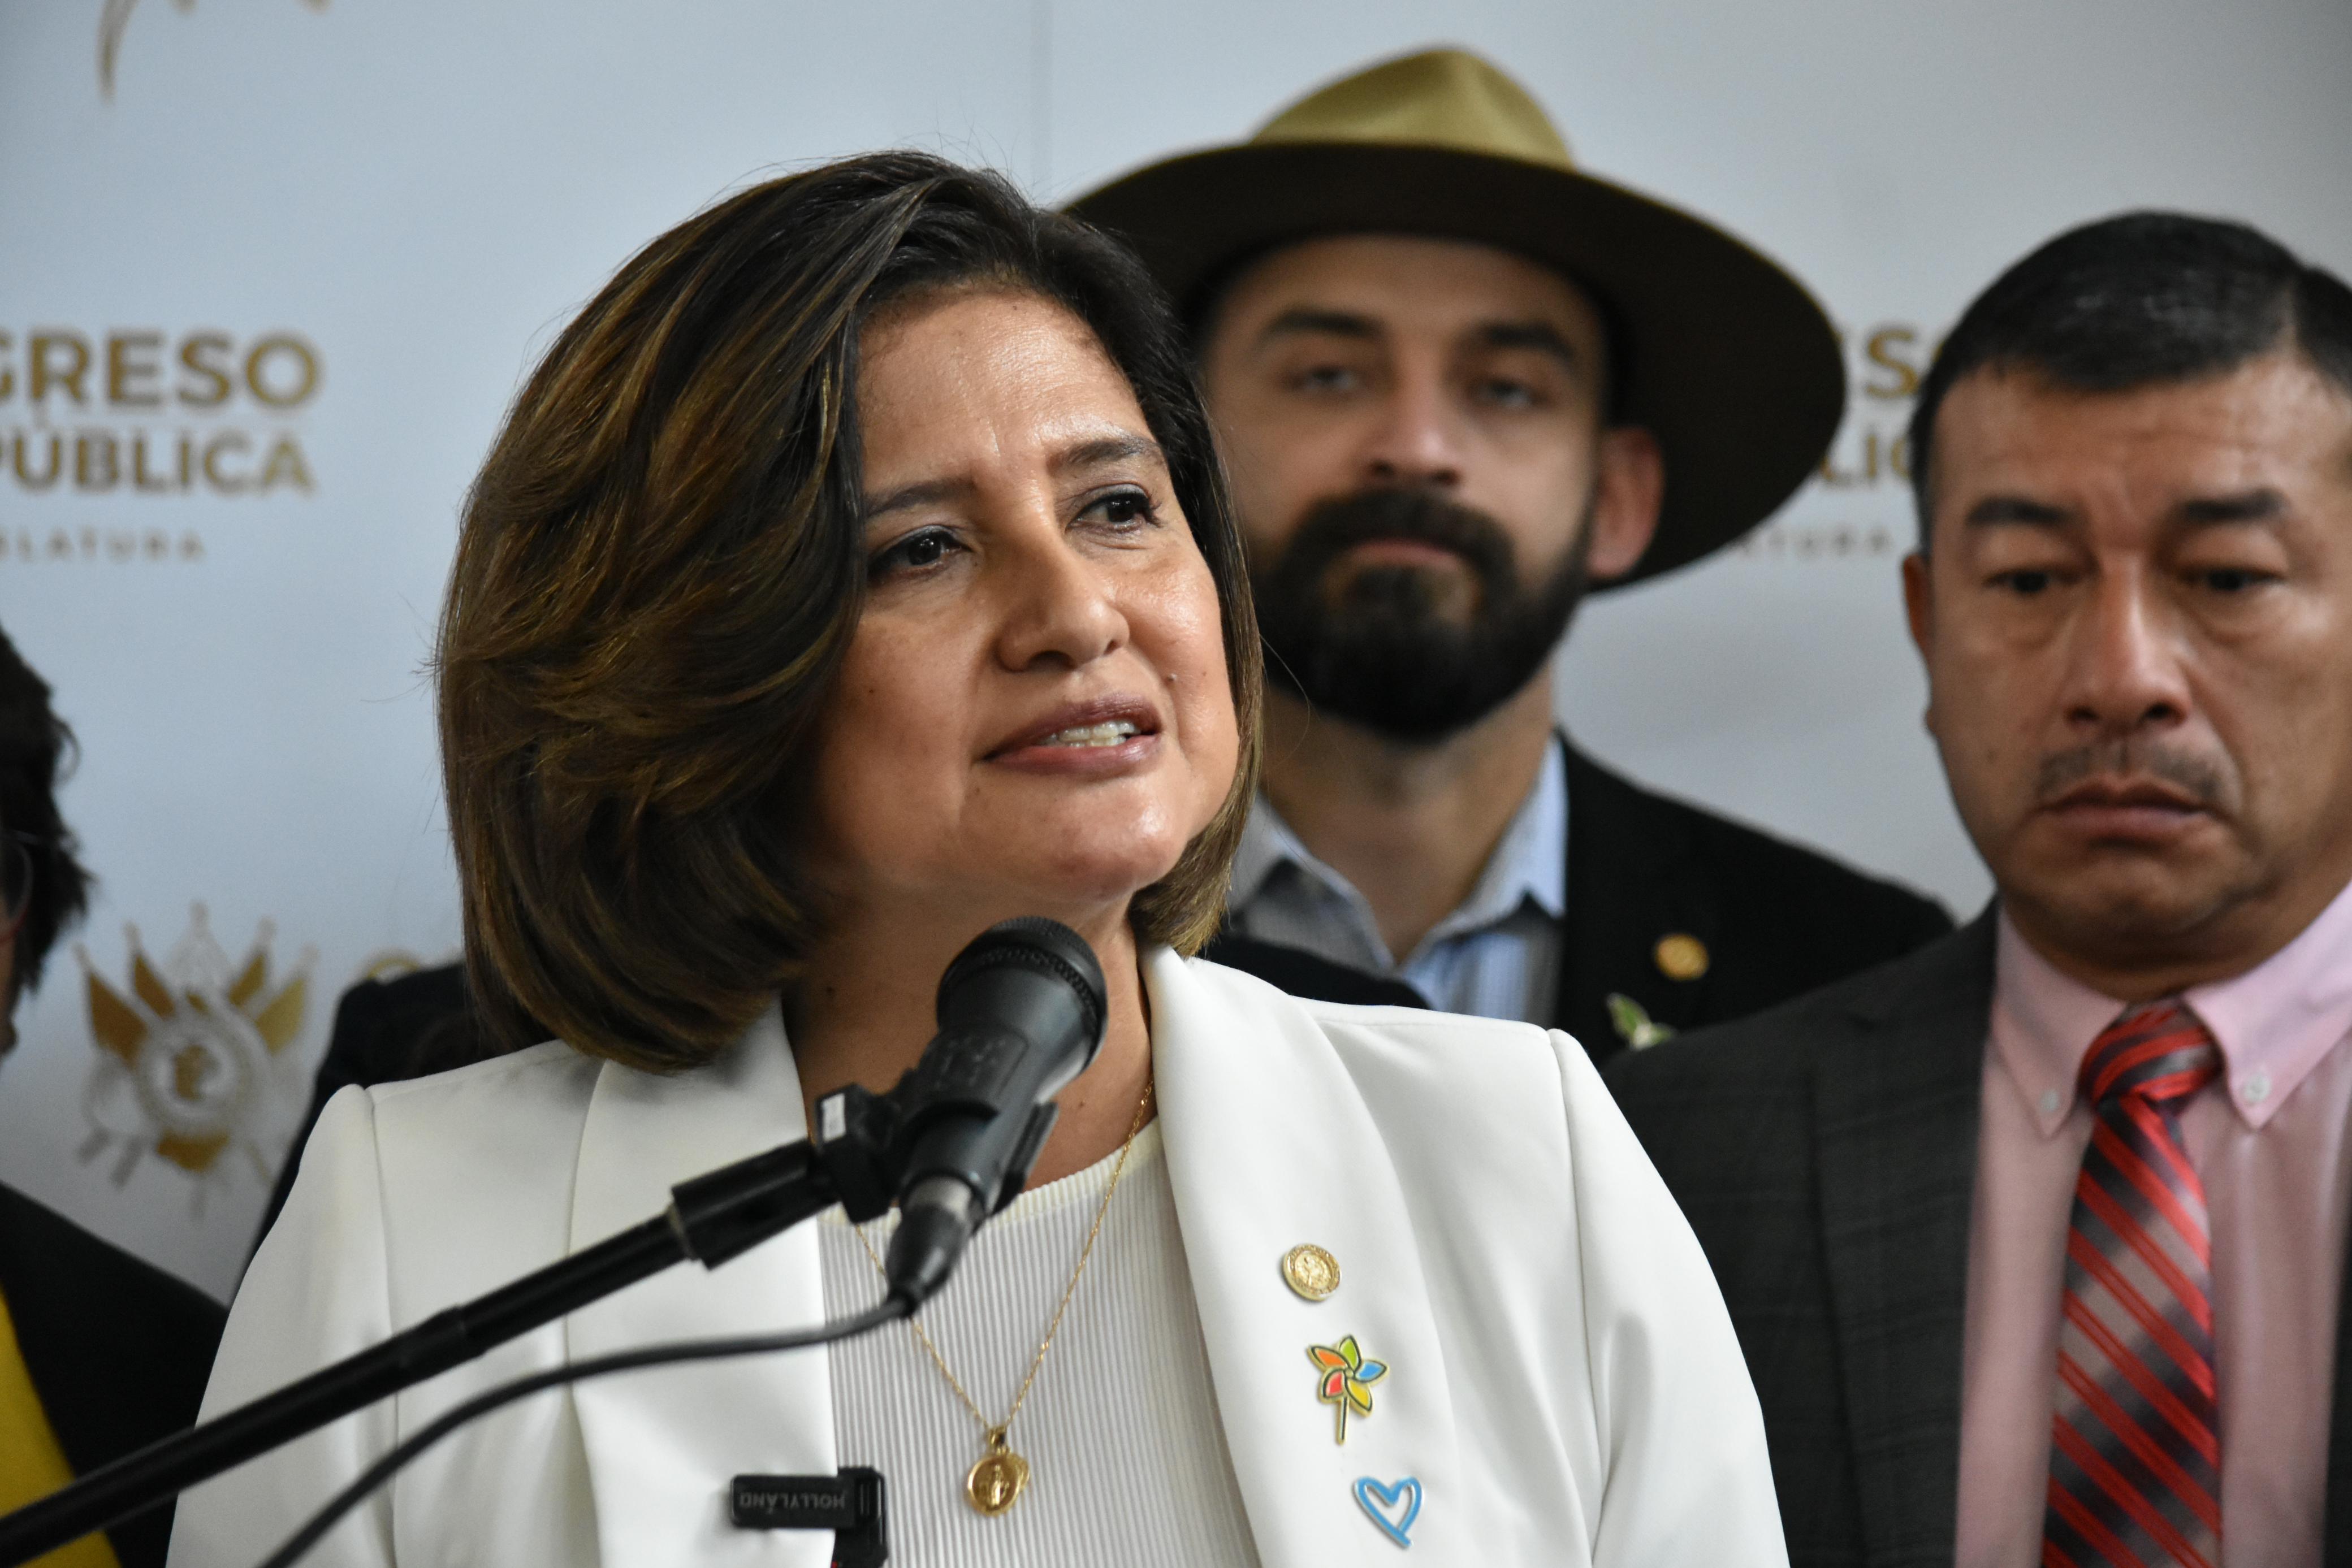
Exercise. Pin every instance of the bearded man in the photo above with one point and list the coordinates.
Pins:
(1459, 385)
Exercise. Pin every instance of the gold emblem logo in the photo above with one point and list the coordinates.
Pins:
(190, 1054)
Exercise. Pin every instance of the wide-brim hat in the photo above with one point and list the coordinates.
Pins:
(1720, 353)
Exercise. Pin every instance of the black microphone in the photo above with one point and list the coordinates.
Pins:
(1022, 1012)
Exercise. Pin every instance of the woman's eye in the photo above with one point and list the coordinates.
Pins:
(1121, 508)
(925, 548)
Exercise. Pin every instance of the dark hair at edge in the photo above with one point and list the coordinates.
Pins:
(660, 568)
(2138, 300)
(36, 750)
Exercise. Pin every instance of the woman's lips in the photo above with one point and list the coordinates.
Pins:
(1107, 735)
(1110, 732)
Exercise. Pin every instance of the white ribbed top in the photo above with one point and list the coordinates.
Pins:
(1127, 1460)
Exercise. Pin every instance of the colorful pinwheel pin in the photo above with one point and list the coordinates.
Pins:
(1346, 1381)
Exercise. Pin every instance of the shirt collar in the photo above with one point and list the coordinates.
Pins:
(1529, 862)
(2278, 1020)
(1267, 845)
(2274, 1023)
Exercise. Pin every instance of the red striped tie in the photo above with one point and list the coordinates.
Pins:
(2136, 1465)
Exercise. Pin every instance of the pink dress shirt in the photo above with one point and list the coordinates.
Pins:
(2267, 1139)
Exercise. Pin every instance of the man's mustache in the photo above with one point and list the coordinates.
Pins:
(1339, 523)
(2124, 761)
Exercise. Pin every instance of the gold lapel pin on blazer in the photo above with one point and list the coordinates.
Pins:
(1681, 956)
(1310, 1271)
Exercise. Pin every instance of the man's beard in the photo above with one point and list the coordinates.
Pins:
(1376, 648)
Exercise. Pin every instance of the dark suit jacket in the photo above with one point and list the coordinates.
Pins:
(1825, 1154)
(1776, 920)
(118, 1351)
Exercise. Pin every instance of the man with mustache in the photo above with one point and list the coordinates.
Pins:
(2035, 1239)
(1458, 385)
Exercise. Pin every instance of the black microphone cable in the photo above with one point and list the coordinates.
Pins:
(890, 1309)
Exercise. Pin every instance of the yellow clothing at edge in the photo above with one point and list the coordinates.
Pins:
(31, 1464)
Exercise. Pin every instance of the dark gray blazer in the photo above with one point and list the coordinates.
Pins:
(1825, 1154)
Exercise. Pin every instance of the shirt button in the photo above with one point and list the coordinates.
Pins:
(2256, 1089)
(2050, 1102)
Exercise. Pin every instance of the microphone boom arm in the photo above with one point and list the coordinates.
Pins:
(1021, 1014)
(711, 1219)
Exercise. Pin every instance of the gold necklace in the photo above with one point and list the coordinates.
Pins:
(995, 1482)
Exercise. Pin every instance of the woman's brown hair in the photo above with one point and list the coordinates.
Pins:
(660, 568)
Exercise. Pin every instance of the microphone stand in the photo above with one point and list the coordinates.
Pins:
(711, 1219)
(1021, 1013)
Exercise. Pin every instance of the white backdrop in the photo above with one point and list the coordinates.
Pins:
(382, 211)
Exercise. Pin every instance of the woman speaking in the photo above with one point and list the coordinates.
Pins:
(854, 573)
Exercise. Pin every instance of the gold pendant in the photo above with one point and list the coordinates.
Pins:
(994, 1483)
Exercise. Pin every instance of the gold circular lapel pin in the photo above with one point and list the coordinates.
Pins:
(1310, 1271)
(1680, 956)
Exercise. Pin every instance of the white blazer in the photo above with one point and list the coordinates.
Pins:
(1564, 1384)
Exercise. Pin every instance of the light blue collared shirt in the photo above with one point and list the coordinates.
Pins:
(1497, 955)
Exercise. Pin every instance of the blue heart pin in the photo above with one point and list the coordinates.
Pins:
(1393, 1507)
